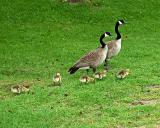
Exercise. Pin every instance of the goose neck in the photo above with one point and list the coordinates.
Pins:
(117, 31)
(101, 41)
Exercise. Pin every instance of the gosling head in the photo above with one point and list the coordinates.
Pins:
(58, 74)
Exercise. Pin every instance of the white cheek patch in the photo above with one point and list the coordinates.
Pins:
(105, 35)
(120, 22)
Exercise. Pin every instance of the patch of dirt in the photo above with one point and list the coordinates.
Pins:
(16, 71)
(50, 93)
(155, 126)
(145, 102)
(74, 1)
(153, 86)
(142, 127)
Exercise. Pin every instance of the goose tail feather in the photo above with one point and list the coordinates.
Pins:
(72, 70)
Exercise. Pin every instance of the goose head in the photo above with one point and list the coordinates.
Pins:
(106, 34)
(120, 22)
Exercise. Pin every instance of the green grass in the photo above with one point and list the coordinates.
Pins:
(40, 38)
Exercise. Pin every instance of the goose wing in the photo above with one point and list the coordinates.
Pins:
(111, 48)
(88, 59)
(111, 44)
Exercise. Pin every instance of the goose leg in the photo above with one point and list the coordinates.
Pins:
(106, 64)
(87, 70)
(94, 70)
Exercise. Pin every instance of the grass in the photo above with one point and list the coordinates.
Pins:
(40, 38)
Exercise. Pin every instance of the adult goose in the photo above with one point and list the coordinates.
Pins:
(92, 59)
(114, 46)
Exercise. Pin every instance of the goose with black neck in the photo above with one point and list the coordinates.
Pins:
(92, 59)
(114, 46)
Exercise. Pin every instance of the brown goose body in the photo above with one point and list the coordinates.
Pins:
(91, 60)
(114, 48)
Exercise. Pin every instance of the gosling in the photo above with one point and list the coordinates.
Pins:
(100, 75)
(57, 79)
(123, 73)
(86, 79)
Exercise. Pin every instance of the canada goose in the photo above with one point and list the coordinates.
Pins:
(93, 59)
(86, 79)
(57, 79)
(100, 75)
(114, 46)
(123, 73)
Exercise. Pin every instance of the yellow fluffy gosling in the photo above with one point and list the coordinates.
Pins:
(20, 88)
(100, 75)
(16, 89)
(86, 79)
(25, 88)
(123, 73)
(57, 79)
